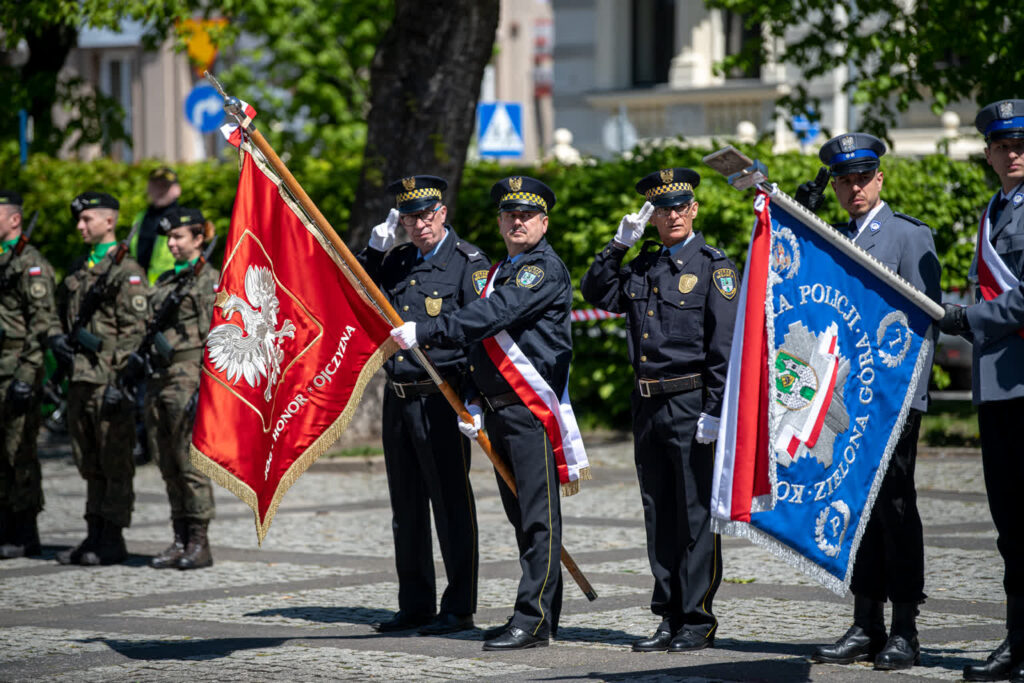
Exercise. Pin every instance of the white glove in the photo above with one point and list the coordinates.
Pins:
(631, 227)
(471, 429)
(382, 237)
(707, 428)
(405, 335)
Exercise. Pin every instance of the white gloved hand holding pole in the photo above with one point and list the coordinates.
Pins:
(405, 335)
(707, 428)
(471, 429)
(631, 227)
(382, 237)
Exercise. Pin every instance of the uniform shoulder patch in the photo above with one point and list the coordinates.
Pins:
(529, 276)
(911, 219)
(37, 290)
(479, 280)
(139, 303)
(713, 252)
(472, 253)
(725, 282)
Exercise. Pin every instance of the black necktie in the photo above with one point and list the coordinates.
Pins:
(998, 209)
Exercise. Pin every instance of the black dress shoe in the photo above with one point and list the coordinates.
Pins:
(899, 652)
(688, 640)
(495, 631)
(516, 638)
(659, 642)
(403, 622)
(996, 668)
(448, 623)
(856, 645)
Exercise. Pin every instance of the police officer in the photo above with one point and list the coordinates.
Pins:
(28, 317)
(172, 388)
(101, 437)
(149, 247)
(679, 297)
(890, 560)
(427, 459)
(995, 325)
(532, 302)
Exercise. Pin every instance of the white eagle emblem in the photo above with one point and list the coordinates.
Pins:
(252, 351)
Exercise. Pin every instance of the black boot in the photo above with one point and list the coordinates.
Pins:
(23, 539)
(168, 559)
(902, 650)
(862, 641)
(110, 549)
(74, 555)
(197, 551)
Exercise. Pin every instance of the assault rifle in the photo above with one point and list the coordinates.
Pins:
(154, 349)
(80, 338)
(19, 247)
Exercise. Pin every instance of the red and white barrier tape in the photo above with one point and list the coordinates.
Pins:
(594, 314)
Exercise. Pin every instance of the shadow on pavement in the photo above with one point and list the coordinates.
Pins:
(212, 648)
(756, 670)
(327, 615)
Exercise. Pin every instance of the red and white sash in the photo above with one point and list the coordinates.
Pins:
(553, 411)
(994, 277)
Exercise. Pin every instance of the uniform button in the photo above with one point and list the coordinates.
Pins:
(643, 359)
(426, 346)
(400, 359)
(412, 282)
(679, 262)
(681, 303)
(435, 293)
(646, 335)
(471, 368)
(655, 290)
(633, 294)
(405, 308)
(650, 313)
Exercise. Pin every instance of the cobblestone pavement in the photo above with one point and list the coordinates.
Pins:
(301, 607)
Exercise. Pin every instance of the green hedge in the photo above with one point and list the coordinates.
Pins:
(945, 194)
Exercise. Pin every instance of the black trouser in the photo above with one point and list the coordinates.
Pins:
(1003, 460)
(519, 438)
(427, 462)
(890, 560)
(675, 472)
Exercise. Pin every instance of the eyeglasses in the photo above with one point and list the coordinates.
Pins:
(411, 220)
(666, 211)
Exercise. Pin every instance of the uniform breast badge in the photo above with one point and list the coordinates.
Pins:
(687, 282)
(433, 306)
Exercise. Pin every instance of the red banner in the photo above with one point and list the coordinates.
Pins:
(292, 344)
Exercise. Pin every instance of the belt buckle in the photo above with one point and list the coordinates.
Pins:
(399, 389)
(645, 388)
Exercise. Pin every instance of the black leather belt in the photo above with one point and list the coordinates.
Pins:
(675, 385)
(509, 398)
(413, 389)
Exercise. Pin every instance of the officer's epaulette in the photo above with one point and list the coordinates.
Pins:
(913, 220)
(471, 252)
(713, 252)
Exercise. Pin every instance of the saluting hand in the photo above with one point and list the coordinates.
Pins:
(631, 227)
(382, 237)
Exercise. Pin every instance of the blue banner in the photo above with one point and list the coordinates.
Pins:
(845, 352)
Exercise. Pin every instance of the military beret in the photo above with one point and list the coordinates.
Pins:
(418, 192)
(1002, 119)
(852, 153)
(10, 197)
(522, 193)
(669, 186)
(164, 174)
(92, 200)
(177, 217)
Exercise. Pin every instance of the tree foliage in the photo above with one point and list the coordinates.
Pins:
(901, 52)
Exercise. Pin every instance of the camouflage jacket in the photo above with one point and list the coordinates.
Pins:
(191, 323)
(28, 314)
(119, 322)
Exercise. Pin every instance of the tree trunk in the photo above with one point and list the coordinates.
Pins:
(424, 86)
(48, 48)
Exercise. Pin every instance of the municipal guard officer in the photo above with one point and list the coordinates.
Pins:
(427, 459)
(28, 317)
(995, 325)
(149, 247)
(890, 560)
(531, 301)
(101, 437)
(172, 388)
(679, 297)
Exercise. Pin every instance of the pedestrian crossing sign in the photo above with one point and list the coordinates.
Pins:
(500, 126)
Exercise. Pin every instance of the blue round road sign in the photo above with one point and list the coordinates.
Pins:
(204, 108)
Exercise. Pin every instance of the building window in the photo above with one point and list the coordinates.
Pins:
(654, 40)
(738, 36)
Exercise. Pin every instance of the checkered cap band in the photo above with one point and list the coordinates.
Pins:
(525, 197)
(666, 189)
(418, 193)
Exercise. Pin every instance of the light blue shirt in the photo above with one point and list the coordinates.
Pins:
(426, 257)
(672, 250)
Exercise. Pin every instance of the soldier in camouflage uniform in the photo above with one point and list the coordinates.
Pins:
(27, 318)
(171, 390)
(101, 436)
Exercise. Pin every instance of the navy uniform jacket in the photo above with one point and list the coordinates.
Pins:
(680, 311)
(905, 246)
(423, 290)
(532, 301)
(998, 365)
